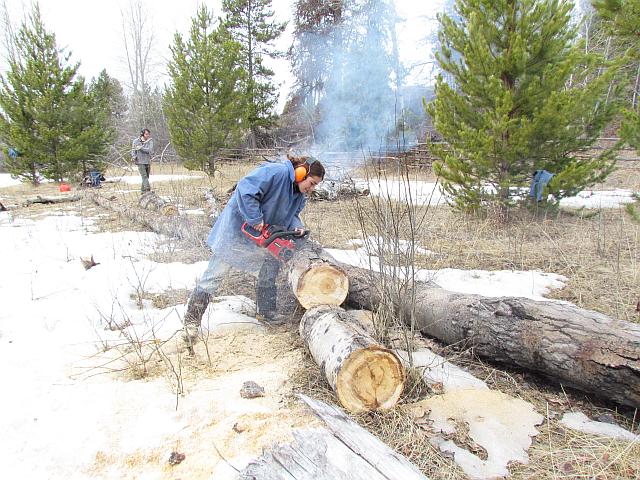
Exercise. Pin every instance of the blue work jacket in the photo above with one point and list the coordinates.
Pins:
(266, 195)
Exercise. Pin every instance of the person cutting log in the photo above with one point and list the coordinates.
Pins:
(265, 203)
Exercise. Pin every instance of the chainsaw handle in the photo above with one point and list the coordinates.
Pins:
(249, 231)
(301, 233)
(268, 234)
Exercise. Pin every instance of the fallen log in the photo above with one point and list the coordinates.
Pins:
(364, 375)
(332, 190)
(181, 227)
(341, 451)
(315, 279)
(579, 348)
(152, 201)
(51, 200)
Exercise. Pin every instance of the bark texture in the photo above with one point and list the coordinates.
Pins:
(341, 451)
(151, 201)
(364, 375)
(51, 200)
(181, 227)
(579, 348)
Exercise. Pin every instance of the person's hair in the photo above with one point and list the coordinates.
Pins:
(142, 132)
(313, 165)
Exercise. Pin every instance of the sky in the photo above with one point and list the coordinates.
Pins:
(92, 31)
(67, 411)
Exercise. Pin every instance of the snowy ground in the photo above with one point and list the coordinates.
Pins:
(64, 418)
(422, 193)
(428, 193)
(68, 413)
(7, 181)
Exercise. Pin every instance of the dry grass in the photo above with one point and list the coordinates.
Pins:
(599, 255)
(591, 252)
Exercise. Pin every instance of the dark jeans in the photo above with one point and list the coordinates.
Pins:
(145, 171)
(266, 289)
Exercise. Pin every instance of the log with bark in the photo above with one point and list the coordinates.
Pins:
(152, 201)
(364, 375)
(181, 227)
(315, 278)
(341, 451)
(579, 348)
(52, 200)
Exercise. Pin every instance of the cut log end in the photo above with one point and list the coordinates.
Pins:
(151, 201)
(322, 285)
(169, 210)
(372, 378)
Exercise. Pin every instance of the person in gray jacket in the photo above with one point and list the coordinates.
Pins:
(141, 151)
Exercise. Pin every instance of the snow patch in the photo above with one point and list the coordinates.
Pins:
(500, 424)
(7, 181)
(499, 283)
(436, 370)
(599, 199)
(136, 179)
(580, 422)
(430, 193)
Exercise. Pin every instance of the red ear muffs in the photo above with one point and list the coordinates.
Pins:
(300, 173)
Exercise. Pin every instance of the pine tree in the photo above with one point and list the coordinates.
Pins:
(251, 25)
(312, 56)
(622, 18)
(203, 104)
(97, 120)
(47, 115)
(525, 96)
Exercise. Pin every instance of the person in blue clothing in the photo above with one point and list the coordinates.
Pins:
(272, 194)
(539, 181)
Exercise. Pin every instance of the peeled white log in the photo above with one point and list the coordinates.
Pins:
(364, 375)
(332, 190)
(316, 280)
(341, 451)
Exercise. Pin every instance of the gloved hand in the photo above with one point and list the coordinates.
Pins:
(300, 232)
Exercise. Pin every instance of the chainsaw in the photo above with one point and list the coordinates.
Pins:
(278, 241)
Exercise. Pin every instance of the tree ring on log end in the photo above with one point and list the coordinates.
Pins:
(323, 284)
(169, 210)
(371, 378)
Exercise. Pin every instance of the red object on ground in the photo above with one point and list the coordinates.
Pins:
(65, 187)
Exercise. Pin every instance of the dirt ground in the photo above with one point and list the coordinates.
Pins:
(598, 252)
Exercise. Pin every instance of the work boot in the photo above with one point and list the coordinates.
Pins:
(272, 319)
(198, 303)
